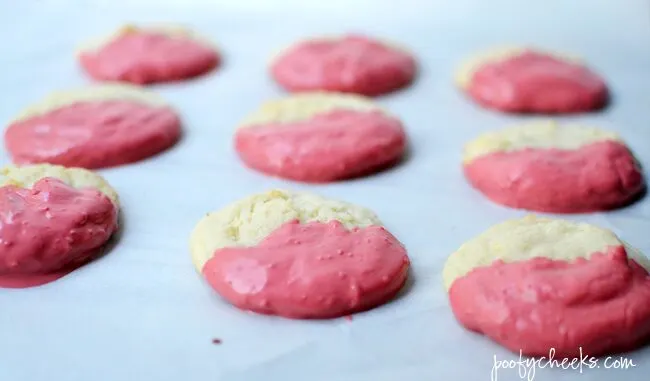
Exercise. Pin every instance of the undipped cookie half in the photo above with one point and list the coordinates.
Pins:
(151, 54)
(537, 284)
(298, 255)
(93, 127)
(528, 80)
(52, 220)
(320, 137)
(547, 167)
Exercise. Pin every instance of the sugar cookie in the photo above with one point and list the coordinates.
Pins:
(93, 127)
(349, 63)
(144, 55)
(527, 80)
(543, 166)
(52, 220)
(320, 137)
(298, 255)
(537, 283)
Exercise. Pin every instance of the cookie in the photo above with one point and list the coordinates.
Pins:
(546, 167)
(145, 55)
(534, 284)
(52, 220)
(350, 63)
(528, 80)
(320, 137)
(94, 127)
(298, 255)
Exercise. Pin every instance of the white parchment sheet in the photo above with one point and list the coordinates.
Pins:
(141, 312)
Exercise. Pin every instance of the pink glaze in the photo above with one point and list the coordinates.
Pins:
(312, 270)
(353, 64)
(93, 134)
(49, 230)
(328, 147)
(144, 58)
(601, 304)
(599, 176)
(538, 83)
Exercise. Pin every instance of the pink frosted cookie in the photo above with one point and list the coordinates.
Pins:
(52, 220)
(545, 167)
(149, 55)
(95, 127)
(536, 284)
(523, 80)
(350, 64)
(320, 137)
(299, 255)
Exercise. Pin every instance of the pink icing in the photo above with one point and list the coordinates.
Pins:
(328, 147)
(313, 270)
(598, 176)
(601, 304)
(353, 64)
(93, 134)
(49, 230)
(538, 83)
(144, 58)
